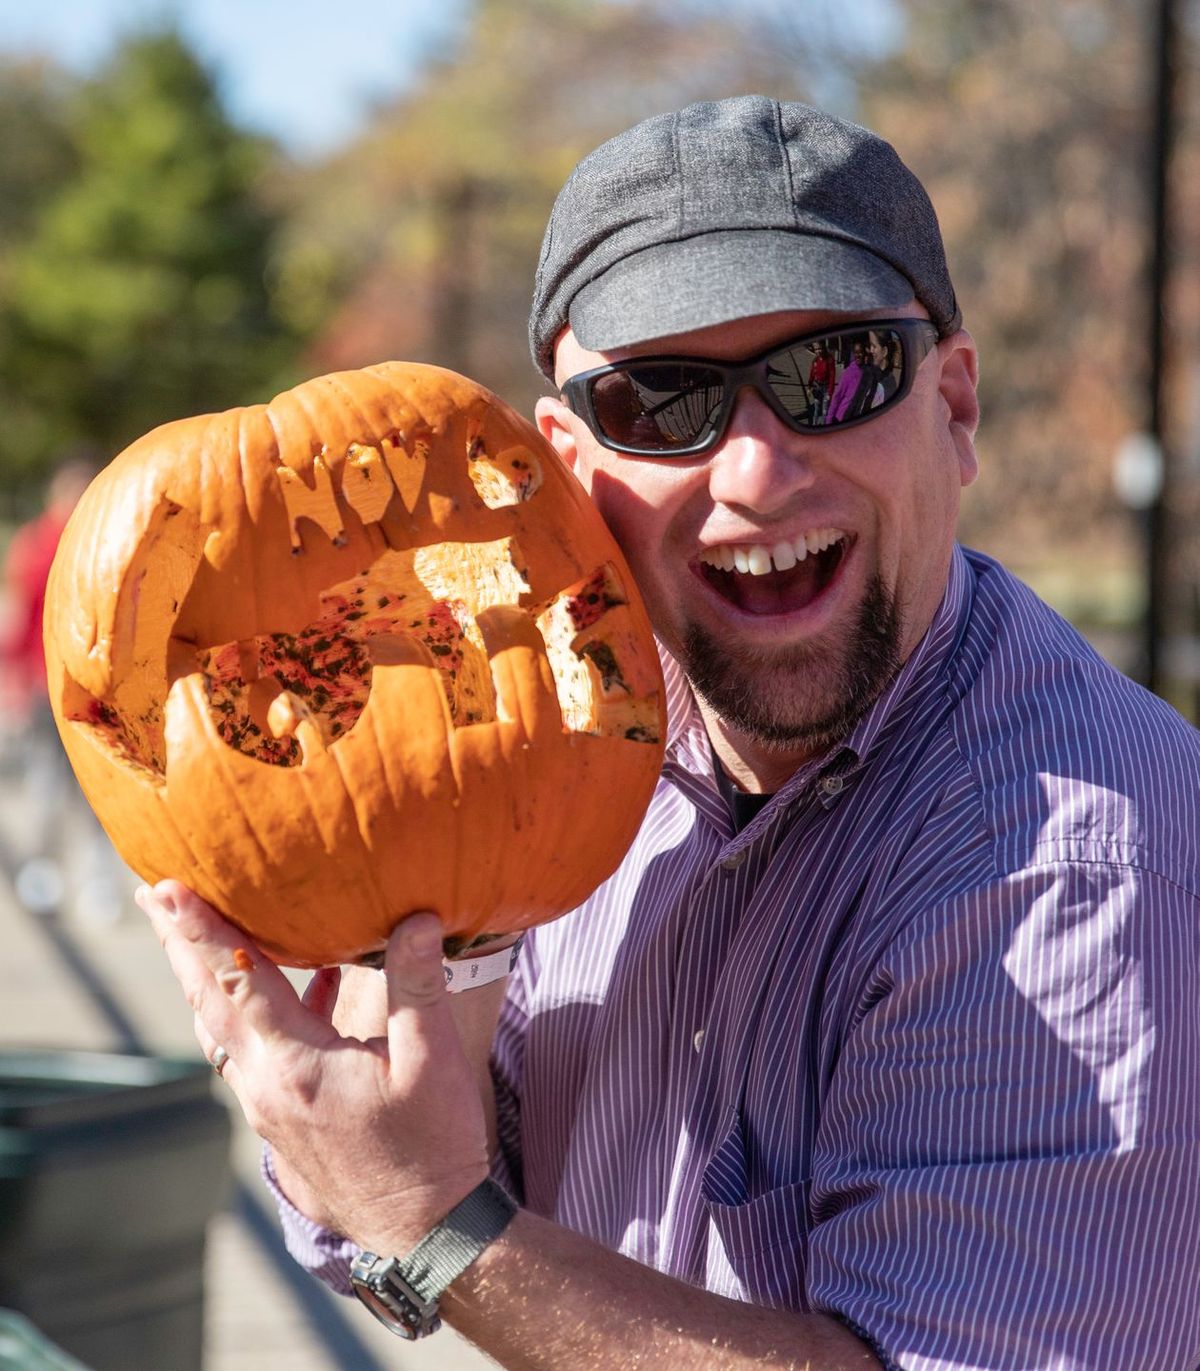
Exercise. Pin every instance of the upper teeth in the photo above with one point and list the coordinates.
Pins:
(760, 558)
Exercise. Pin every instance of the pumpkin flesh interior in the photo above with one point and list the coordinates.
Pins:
(260, 689)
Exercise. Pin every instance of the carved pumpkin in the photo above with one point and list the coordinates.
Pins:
(364, 650)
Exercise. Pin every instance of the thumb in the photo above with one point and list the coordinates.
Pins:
(419, 1022)
(320, 995)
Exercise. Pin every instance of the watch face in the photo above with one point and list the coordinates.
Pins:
(391, 1299)
(387, 1312)
(408, 1304)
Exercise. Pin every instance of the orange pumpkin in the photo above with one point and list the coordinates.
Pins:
(364, 650)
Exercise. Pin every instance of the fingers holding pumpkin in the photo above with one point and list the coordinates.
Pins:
(430, 1078)
(238, 993)
(420, 1026)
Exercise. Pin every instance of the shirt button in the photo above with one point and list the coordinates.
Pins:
(698, 1040)
(831, 785)
(732, 863)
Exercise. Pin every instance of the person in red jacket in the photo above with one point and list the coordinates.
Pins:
(65, 851)
(26, 569)
(822, 377)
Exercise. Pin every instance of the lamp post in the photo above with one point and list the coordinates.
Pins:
(1157, 527)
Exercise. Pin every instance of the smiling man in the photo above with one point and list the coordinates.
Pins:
(880, 1047)
(789, 565)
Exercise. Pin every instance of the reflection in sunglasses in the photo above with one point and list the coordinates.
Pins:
(786, 380)
(681, 405)
(650, 404)
(688, 412)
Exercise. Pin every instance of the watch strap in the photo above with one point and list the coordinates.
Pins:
(446, 1251)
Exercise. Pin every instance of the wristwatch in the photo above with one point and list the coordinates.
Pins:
(402, 1292)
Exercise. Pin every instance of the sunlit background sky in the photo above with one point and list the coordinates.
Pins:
(304, 71)
(307, 71)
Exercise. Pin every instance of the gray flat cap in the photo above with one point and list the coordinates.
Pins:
(732, 208)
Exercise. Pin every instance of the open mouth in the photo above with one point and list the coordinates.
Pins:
(779, 578)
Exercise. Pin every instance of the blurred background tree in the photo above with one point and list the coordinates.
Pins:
(137, 291)
(421, 239)
(1043, 194)
(36, 156)
(157, 260)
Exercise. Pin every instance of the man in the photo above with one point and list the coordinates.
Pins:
(880, 1048)
(822, 378)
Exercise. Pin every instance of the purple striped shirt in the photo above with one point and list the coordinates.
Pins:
(918, 1047)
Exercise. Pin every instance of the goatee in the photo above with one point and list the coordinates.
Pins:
(799, 696)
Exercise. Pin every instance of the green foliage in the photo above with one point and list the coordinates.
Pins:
(35, 153)
(140, 293)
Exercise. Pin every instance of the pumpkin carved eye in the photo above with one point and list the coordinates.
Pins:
(345, 656)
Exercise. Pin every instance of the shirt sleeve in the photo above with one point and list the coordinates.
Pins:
(319, 1250)
(1006, 1173)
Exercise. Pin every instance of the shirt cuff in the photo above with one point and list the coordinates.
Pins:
(319, 1250)
(863, 1336)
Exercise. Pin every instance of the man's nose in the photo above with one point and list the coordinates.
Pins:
(760, 463)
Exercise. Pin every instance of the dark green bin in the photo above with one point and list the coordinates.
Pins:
(110, 1168)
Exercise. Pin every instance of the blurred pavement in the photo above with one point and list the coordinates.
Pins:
(74, 978)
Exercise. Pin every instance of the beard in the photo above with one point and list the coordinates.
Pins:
(804, 695)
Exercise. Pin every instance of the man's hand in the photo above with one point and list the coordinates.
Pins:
(384, 1135)
(355, 1000)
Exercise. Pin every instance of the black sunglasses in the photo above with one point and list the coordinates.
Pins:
(818, 383)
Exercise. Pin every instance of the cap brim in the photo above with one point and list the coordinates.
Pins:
(716, 277)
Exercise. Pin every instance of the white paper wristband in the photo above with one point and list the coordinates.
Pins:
(472, 972)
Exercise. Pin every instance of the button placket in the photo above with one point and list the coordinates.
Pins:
(830, 788)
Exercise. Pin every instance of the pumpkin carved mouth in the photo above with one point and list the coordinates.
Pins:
(260, 690)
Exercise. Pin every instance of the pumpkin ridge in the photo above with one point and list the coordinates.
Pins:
(350, 402)
(244, 437)
(198, 856)
(223, 757)
(443, 733)
(371, 868)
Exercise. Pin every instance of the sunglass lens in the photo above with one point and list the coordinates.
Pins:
(828, 381)
(657, 408)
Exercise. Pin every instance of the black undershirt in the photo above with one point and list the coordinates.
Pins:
(742, 805)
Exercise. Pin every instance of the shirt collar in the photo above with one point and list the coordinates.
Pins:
(925, 666)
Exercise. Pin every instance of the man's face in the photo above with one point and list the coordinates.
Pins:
(787, 655)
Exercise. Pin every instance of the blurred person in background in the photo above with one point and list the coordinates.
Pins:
(881, 1047)
(63, 850)
(881, 349)
(847, 386)
(26, 567)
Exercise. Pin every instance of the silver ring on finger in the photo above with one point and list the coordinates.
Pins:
(219, 1060)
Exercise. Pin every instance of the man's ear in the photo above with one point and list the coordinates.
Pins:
(554, 424)
(958, 385)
